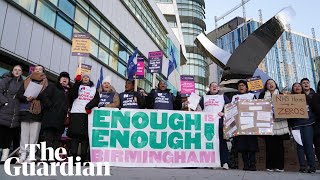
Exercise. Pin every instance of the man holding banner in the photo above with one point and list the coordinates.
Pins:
(214, 103)
(162, 98)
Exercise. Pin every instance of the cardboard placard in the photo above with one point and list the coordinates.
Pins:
(255, 84)
(140, 68)
(187, 85)
(81, 44)
(155, 62)
(248, 117)
(290, 106)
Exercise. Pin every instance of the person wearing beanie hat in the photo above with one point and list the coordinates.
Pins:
(83, 97)
(130, 98)
(56, 107)
(247, 145)
(108, 96)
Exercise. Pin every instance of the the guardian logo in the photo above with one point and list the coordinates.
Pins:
(47, 168)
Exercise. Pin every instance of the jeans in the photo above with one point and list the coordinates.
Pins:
(307, 148)
(224, 152)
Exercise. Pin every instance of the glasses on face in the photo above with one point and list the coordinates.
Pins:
(241, 85)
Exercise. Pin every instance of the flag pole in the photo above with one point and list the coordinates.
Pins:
(154, 77)
(135, 87)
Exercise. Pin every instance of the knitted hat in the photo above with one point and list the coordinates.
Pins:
(107, 79)
(64, 74)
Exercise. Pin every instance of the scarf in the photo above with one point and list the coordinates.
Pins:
(35, 106)
(268, 94)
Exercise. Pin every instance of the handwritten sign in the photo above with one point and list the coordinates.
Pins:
(290, 106)
(81, 44)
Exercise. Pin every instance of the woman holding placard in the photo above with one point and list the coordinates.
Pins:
(274, 144)
(302, 131)
(247, 145)
(208, 104)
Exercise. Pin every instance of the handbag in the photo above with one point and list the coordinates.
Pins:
(280, 127)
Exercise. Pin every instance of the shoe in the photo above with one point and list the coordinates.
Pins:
(252, 168)
(270, 170)
(302, 170)
(279, 170)
(312, 170)
(225, 166)
(5, 154)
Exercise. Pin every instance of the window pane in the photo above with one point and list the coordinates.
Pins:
(105, 38)
(123, 53)
(103, 55)
(45, 13)
(94, 28)
(114, 46)
(27, 4)
(122, 69)
(64, 27)
(55, 2)
(81, 18)
(94, 48)
(67, 7)
(113, 63)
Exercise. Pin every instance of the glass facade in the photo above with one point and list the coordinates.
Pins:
(287, 62)
(149, 21)
(192, 17)
(68, 16)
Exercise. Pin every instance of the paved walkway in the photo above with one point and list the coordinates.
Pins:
(118, 173)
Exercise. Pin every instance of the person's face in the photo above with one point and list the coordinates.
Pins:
(271, 85)
(214, 88)
(306, 85)
(162, 85)
(38, 69)
(129, 86)
(64, 81)
(297, 88)
(17, 71)
(106, 86)
(85, 79)
(242, 88)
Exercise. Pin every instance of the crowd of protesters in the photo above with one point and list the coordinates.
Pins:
(28, 120)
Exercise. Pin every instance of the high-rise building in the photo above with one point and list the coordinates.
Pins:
(40, 32)
(290, 59)
(192, 15)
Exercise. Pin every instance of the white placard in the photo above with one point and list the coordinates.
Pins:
(246, 120)
(33, 90)
(232, 112)
(263, 124)
(247, 126)
(263, 115)
(230, 121)
(250, 114)
(193, 100)
(255, 108)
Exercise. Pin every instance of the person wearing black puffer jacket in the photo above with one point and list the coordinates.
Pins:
(83, 97)
(162, 98)
(9, 110)
(316, 125)
(55, 103)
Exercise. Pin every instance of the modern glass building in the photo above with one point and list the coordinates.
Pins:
(40, 31)
(192, 15)
(290, 59)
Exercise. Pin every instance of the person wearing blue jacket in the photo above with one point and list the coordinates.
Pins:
(305, 127)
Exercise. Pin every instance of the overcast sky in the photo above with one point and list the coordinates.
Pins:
(307, 12)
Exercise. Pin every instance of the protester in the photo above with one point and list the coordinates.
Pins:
(55, 103)
(247, 145)
(9, 116)
(274, 144)
(84, 97)
(304, 127)
(210, 107)
(130, 98)
(162, 98)
(31, 112)
(316, 125)
(108, 96)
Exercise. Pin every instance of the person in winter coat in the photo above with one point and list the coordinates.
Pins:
(84, 97)
(305, 127)
(9, 110)
(55, 104)
(108, 96)
(247, 145)
(274, 144)
(207, 106)
(31, 112)
(162, 98)
(316, 125)
(130, 98)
